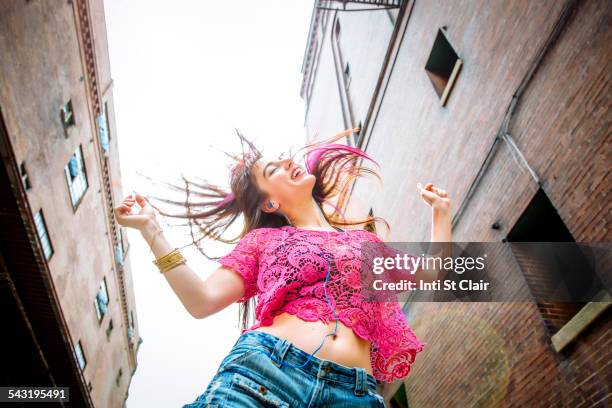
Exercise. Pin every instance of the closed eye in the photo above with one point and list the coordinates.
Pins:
(270, 172)
(275, 168)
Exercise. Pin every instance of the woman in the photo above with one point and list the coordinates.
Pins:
(317, 342)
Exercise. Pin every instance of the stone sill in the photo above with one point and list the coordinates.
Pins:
(572, 329)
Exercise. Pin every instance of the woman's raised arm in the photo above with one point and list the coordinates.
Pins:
(200, 297)
(441, 236)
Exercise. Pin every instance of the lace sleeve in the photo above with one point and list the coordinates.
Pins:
(395, 345)
(244, 260)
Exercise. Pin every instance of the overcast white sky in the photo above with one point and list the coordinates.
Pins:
(184, 77)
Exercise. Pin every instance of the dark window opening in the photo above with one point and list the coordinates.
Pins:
(24, 176)
(338, 29)
(67, 116)
(358, 136)
(109, 329)
(119, 374)
(547, 266)
(443, 66)
(347, 75)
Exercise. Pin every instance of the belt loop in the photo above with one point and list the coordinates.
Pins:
(360, 381)
(280, 349)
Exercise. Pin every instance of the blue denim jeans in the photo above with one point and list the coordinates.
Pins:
(251, 375)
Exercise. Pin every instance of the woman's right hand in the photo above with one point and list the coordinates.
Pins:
(125, 218)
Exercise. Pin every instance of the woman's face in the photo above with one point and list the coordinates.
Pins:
(285, 182)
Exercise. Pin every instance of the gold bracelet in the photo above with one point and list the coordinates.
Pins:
(174, 259)
(173, 265)
(169, 261)
(170, 264)
(159, 261)
(164, 259)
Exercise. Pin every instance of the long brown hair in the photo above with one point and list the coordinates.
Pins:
(210, 209)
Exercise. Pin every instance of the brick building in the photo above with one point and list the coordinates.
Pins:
(505, 104)
(70, 312)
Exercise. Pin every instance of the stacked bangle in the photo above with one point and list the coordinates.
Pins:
(169, 261)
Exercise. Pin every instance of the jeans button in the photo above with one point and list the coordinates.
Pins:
(327, 369)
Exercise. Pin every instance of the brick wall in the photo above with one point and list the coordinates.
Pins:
(499, 354)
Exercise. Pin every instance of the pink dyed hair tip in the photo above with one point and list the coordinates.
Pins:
(315, 155)
(229, 197)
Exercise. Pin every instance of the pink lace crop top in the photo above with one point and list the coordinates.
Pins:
(286, 268)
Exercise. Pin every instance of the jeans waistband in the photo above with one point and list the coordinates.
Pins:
(284, 351)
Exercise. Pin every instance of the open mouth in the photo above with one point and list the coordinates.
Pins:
(296, 173)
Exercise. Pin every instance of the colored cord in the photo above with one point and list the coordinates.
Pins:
(311, 355)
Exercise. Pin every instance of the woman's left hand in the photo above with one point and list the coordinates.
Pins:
(435, 197)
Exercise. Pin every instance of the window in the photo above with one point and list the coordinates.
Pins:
(131, 332)
(24, 176)
(119, 254)
(443, 67)
(346, 69)
(41, 229)
(347, 75)
(101, 301)
(103, 129)
(121, 248)
(123, 239)
(76, 177)
(79, 354)
(358, 136)
(67, 116)
(109, 329)
(119, 374)
(546, 266)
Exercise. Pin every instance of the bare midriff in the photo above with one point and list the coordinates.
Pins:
(346, 348)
